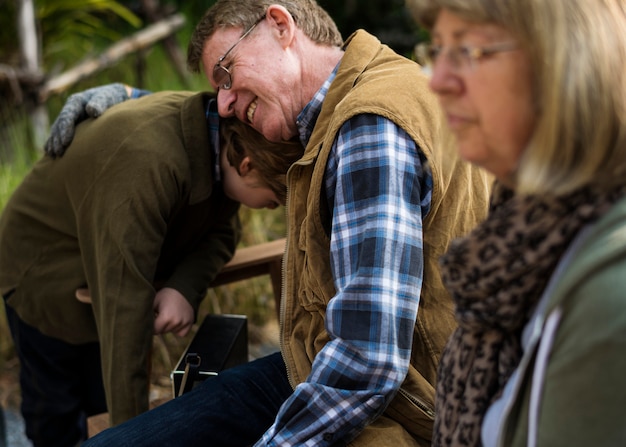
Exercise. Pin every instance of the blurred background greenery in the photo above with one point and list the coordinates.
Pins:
(70, 31)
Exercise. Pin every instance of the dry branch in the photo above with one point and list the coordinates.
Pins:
(138, 41)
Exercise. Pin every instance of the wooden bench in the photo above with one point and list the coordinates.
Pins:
(255, 260)
(248, 262)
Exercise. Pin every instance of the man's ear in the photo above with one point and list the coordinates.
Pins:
(245, 166)
(280, 20)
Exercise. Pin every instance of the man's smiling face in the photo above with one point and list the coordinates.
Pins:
(264, 78)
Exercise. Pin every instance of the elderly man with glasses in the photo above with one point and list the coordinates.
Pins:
(374, 202)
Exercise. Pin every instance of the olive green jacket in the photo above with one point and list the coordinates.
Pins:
(131, 206)
(372, 79)
(576, 359)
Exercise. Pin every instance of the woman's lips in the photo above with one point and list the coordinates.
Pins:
(457, 122)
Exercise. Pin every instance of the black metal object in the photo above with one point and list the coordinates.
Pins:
(221, 342)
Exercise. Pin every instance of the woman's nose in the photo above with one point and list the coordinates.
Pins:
(443, 78)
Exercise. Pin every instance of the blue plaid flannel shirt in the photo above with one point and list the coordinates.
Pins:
(378, 191)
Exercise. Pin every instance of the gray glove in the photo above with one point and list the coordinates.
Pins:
(78, 107)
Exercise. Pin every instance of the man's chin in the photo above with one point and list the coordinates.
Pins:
(277, 133)
(271, 135)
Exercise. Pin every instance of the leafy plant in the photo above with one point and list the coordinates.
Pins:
(71, 29)
(11, 175)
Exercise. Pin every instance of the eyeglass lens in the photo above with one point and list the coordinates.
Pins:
(221, 76)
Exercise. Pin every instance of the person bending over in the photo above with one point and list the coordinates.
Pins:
(142, 211)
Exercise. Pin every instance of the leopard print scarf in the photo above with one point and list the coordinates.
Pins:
(496, 275)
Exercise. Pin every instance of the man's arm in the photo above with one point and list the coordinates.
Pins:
(213, 247)
(122, 217)
(378, 193)
(80, 106)
(121, 242)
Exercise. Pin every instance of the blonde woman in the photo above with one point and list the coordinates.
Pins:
(535, 92)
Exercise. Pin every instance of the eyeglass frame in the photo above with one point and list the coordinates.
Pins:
(462, 55)
(219, 68)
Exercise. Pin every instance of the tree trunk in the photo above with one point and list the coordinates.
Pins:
(29, 48)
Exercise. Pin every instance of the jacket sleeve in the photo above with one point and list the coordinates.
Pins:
(215, 247)
(122, 223)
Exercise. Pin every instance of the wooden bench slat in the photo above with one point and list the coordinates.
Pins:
(251, 261)
(256, 260)
(256, 254)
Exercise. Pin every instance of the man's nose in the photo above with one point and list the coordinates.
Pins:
(226, 103)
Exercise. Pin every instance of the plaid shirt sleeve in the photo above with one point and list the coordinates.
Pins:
(378, 192)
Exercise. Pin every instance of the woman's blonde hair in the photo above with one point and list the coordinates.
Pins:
(578, 51)
(271, 161)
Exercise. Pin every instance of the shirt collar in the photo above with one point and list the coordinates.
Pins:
(308, 117)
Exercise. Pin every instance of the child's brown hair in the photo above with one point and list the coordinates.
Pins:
(270, 160)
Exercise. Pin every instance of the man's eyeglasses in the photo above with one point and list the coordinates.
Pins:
(461, 57)
(221, 74)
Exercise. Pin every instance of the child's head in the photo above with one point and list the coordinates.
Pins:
(254, 170)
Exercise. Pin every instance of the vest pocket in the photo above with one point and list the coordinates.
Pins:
(316, 285)
(313, 294)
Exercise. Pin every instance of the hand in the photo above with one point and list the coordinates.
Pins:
(78, 107)
(173, 313)
(83, 295)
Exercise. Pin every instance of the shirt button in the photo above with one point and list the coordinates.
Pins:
(328, 437)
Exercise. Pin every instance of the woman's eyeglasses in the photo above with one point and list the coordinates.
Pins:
(461, 58)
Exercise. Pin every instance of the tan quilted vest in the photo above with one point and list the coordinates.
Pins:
(373, 79)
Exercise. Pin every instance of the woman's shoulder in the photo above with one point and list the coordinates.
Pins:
(599, 263)
(590, 291)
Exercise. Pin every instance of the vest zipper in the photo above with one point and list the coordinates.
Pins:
(418, 403)
(283, 296)
(283, 292)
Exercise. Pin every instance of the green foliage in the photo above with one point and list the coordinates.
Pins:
(11, 175)
(7, 31)
(71, 29)
(16, 144)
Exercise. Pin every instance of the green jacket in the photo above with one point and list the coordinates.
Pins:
(132, 206)
(582, 395)
(373, 79)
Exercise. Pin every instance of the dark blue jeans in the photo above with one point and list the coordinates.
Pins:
(233, 408)
(61, 385)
